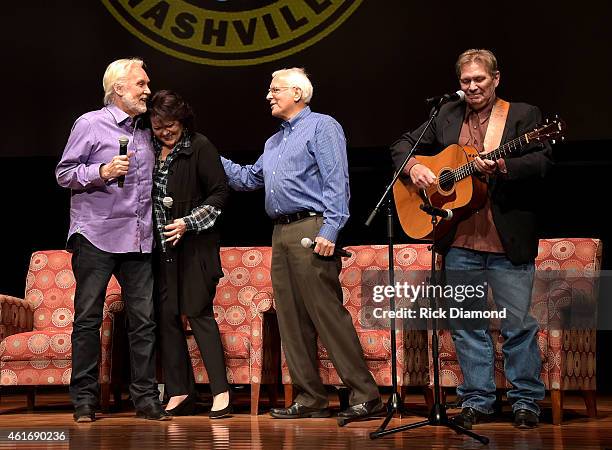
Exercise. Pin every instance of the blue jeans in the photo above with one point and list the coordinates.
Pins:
(511, 286)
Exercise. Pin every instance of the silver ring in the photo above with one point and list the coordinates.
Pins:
(178, 236)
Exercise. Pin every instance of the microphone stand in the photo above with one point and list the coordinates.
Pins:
(437, 416)
(394, 405)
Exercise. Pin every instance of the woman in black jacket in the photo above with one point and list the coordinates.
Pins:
(189, 193)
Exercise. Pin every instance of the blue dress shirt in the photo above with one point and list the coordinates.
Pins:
(303, 168)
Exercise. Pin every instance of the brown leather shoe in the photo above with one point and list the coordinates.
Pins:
(365, 409)
(297, 411)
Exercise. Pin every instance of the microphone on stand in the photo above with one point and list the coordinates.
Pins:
(309, 243)
(445, 214)
(441, 99)
(123, 143)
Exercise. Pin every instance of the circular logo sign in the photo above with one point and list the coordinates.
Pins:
(231, 32)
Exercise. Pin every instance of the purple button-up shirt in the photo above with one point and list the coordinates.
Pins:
(116, 220)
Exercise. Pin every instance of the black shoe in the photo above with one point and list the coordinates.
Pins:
(366, 409)
(186, 408)
(84, 414)
(153, 412)
(525, 419)
(468, 417)
(297, 411)
(221, 413)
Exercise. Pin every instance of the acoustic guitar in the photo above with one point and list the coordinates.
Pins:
(457, 187)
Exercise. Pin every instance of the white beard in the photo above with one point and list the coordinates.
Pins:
(134, 104)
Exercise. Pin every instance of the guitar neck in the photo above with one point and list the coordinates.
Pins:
(508, 148)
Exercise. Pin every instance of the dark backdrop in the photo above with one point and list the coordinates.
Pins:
(372, 74)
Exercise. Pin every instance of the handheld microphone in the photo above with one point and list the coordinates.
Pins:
(308, 243)
(168, 202)
(123, 143)
(445, 214)
(441, 99)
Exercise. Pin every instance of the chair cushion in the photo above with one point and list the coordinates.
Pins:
(37, 346)
(33, 373)
(375, 344)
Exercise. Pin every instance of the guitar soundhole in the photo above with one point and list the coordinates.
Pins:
(446, 180)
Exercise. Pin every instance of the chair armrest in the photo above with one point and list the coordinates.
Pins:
(113, 302)
(17, 316)
(264, 301)
(265, 339)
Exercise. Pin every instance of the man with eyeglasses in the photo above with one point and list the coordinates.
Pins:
(304, 172)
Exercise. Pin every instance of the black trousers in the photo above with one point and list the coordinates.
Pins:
(176, 362)
(93, 269)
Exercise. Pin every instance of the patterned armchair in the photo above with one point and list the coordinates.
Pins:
(376, 343)
(568, 356)
(36, 348)
(245, 314)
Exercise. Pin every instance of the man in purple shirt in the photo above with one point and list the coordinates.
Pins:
(111, 232)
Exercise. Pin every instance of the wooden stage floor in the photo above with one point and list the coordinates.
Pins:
(121, 430)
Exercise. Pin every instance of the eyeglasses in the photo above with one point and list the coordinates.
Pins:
(277, 90)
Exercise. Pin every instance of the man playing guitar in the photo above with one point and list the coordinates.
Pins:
(497, 236)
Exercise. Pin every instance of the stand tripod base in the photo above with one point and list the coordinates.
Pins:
(437, 418)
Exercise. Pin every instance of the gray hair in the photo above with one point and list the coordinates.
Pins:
(115, 74)
(297, 77)
(477, 55)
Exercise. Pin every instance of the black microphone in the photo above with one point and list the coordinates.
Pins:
(445, 214)
(168, 202)
(441, 99)
(123, 143)
(308, 243)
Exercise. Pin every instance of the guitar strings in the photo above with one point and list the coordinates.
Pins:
(468, 169)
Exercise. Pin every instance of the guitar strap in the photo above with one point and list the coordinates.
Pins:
(497, 123)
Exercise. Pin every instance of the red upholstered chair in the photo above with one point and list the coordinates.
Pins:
(245, 314)
(568, 356)
(36, 349)
(376, 343)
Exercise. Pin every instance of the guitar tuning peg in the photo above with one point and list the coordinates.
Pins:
(562, 138)
(554, 141)
(556, 116)
(547, 120)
